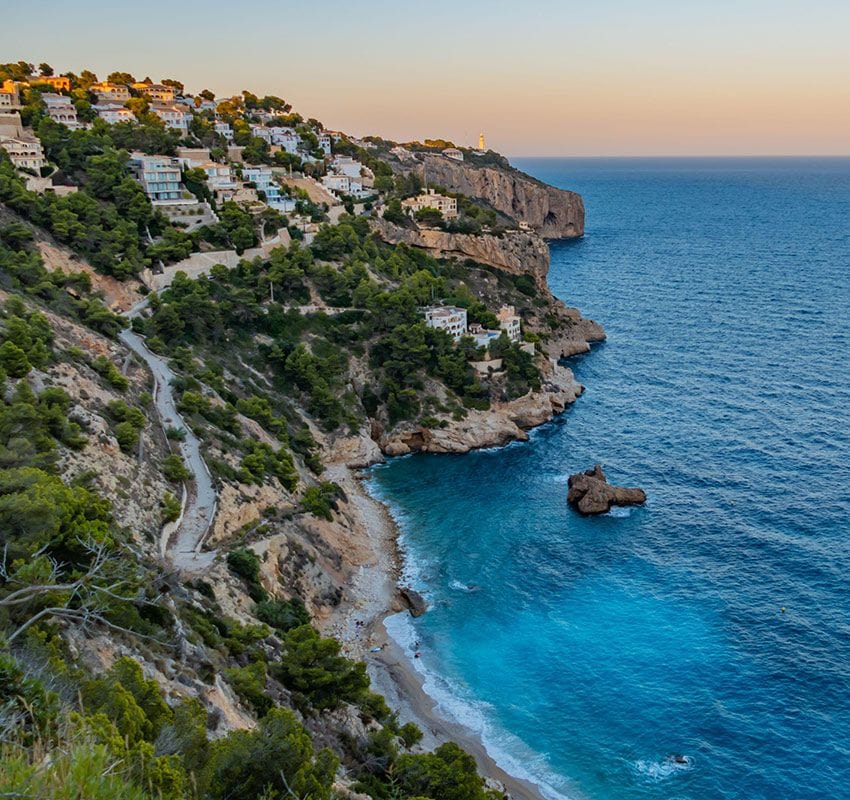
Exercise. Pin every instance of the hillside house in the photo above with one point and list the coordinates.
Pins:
(25, 152)
(110, 92)
(447, 206)
(60, 109)
(113, 112)
(450, 319)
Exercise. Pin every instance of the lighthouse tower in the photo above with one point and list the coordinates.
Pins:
(482, 145)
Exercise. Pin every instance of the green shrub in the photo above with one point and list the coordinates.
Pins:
(312, 668)
(174, 469)
(127, 435)
(250, 684)
(14, 360)
(282, 615)
(246, 564)
(107, 370)
(320, 500)
(275, 761)
(410, 734)
(128, 424)
(171, 507)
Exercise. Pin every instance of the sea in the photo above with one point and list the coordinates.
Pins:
(698, 647)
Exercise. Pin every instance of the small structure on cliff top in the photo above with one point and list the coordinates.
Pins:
(591, 493)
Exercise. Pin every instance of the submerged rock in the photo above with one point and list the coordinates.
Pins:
(591, 493)
(414, 601)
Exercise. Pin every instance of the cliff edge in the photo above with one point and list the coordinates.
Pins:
(517, 252)
(553, 213)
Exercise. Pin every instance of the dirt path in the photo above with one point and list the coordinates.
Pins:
(183, 547)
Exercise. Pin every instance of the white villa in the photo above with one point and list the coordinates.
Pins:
(60, 109)
(112, 113)
(224, 129)
(262, 177)
(286, 138)
(173, 117)
(261, 132)
(9, 97)
(450, 319)
(24, 152)
(346, 165)
(447, 206)
(454, 153)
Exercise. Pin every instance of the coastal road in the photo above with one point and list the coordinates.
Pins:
(183, 547)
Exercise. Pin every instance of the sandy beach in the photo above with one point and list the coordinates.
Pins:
(359, 625)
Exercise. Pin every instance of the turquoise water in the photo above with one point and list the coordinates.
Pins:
(587, 651)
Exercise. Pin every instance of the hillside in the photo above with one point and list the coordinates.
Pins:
(193, 575)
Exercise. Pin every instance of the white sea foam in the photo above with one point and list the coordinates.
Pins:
(661, 770)
(454, 705)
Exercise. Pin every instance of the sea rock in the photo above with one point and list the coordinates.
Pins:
(591, 493)
(414, 601)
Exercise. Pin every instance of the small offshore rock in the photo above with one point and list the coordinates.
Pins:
(591, 493)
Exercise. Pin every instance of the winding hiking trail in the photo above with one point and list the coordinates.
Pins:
(183, 546)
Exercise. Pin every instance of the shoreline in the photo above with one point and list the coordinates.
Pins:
(360, 627)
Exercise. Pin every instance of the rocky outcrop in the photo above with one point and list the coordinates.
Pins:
(502, 424)
(573, 334)
(414, 601)
(516, 252)
(591, 493)
(553, 213)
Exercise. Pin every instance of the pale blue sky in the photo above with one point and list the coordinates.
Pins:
(541, 77)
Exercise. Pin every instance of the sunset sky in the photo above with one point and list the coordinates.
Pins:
(542, 77)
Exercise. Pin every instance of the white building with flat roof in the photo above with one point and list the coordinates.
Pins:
(112, 113)
(346, 165)
(262, 132)
(159, 176)
(174, 117)
(450, 319)
(60, 109)
(224, 129)
(25, 152)
(454, 153)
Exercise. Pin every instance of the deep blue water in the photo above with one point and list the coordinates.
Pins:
(589, 650)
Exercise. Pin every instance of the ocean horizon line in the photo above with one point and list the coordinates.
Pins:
(693, 157)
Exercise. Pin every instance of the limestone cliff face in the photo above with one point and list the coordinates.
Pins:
(553, 213)
(517, 253)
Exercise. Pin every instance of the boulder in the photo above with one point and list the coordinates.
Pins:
(414, 601)
(591, 493)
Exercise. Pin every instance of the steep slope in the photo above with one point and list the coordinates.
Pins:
(553, 213)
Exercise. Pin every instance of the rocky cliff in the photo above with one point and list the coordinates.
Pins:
(503, 423)
(517, 253)
(553, 213)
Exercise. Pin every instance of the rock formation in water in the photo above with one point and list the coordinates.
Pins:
(591, 493)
